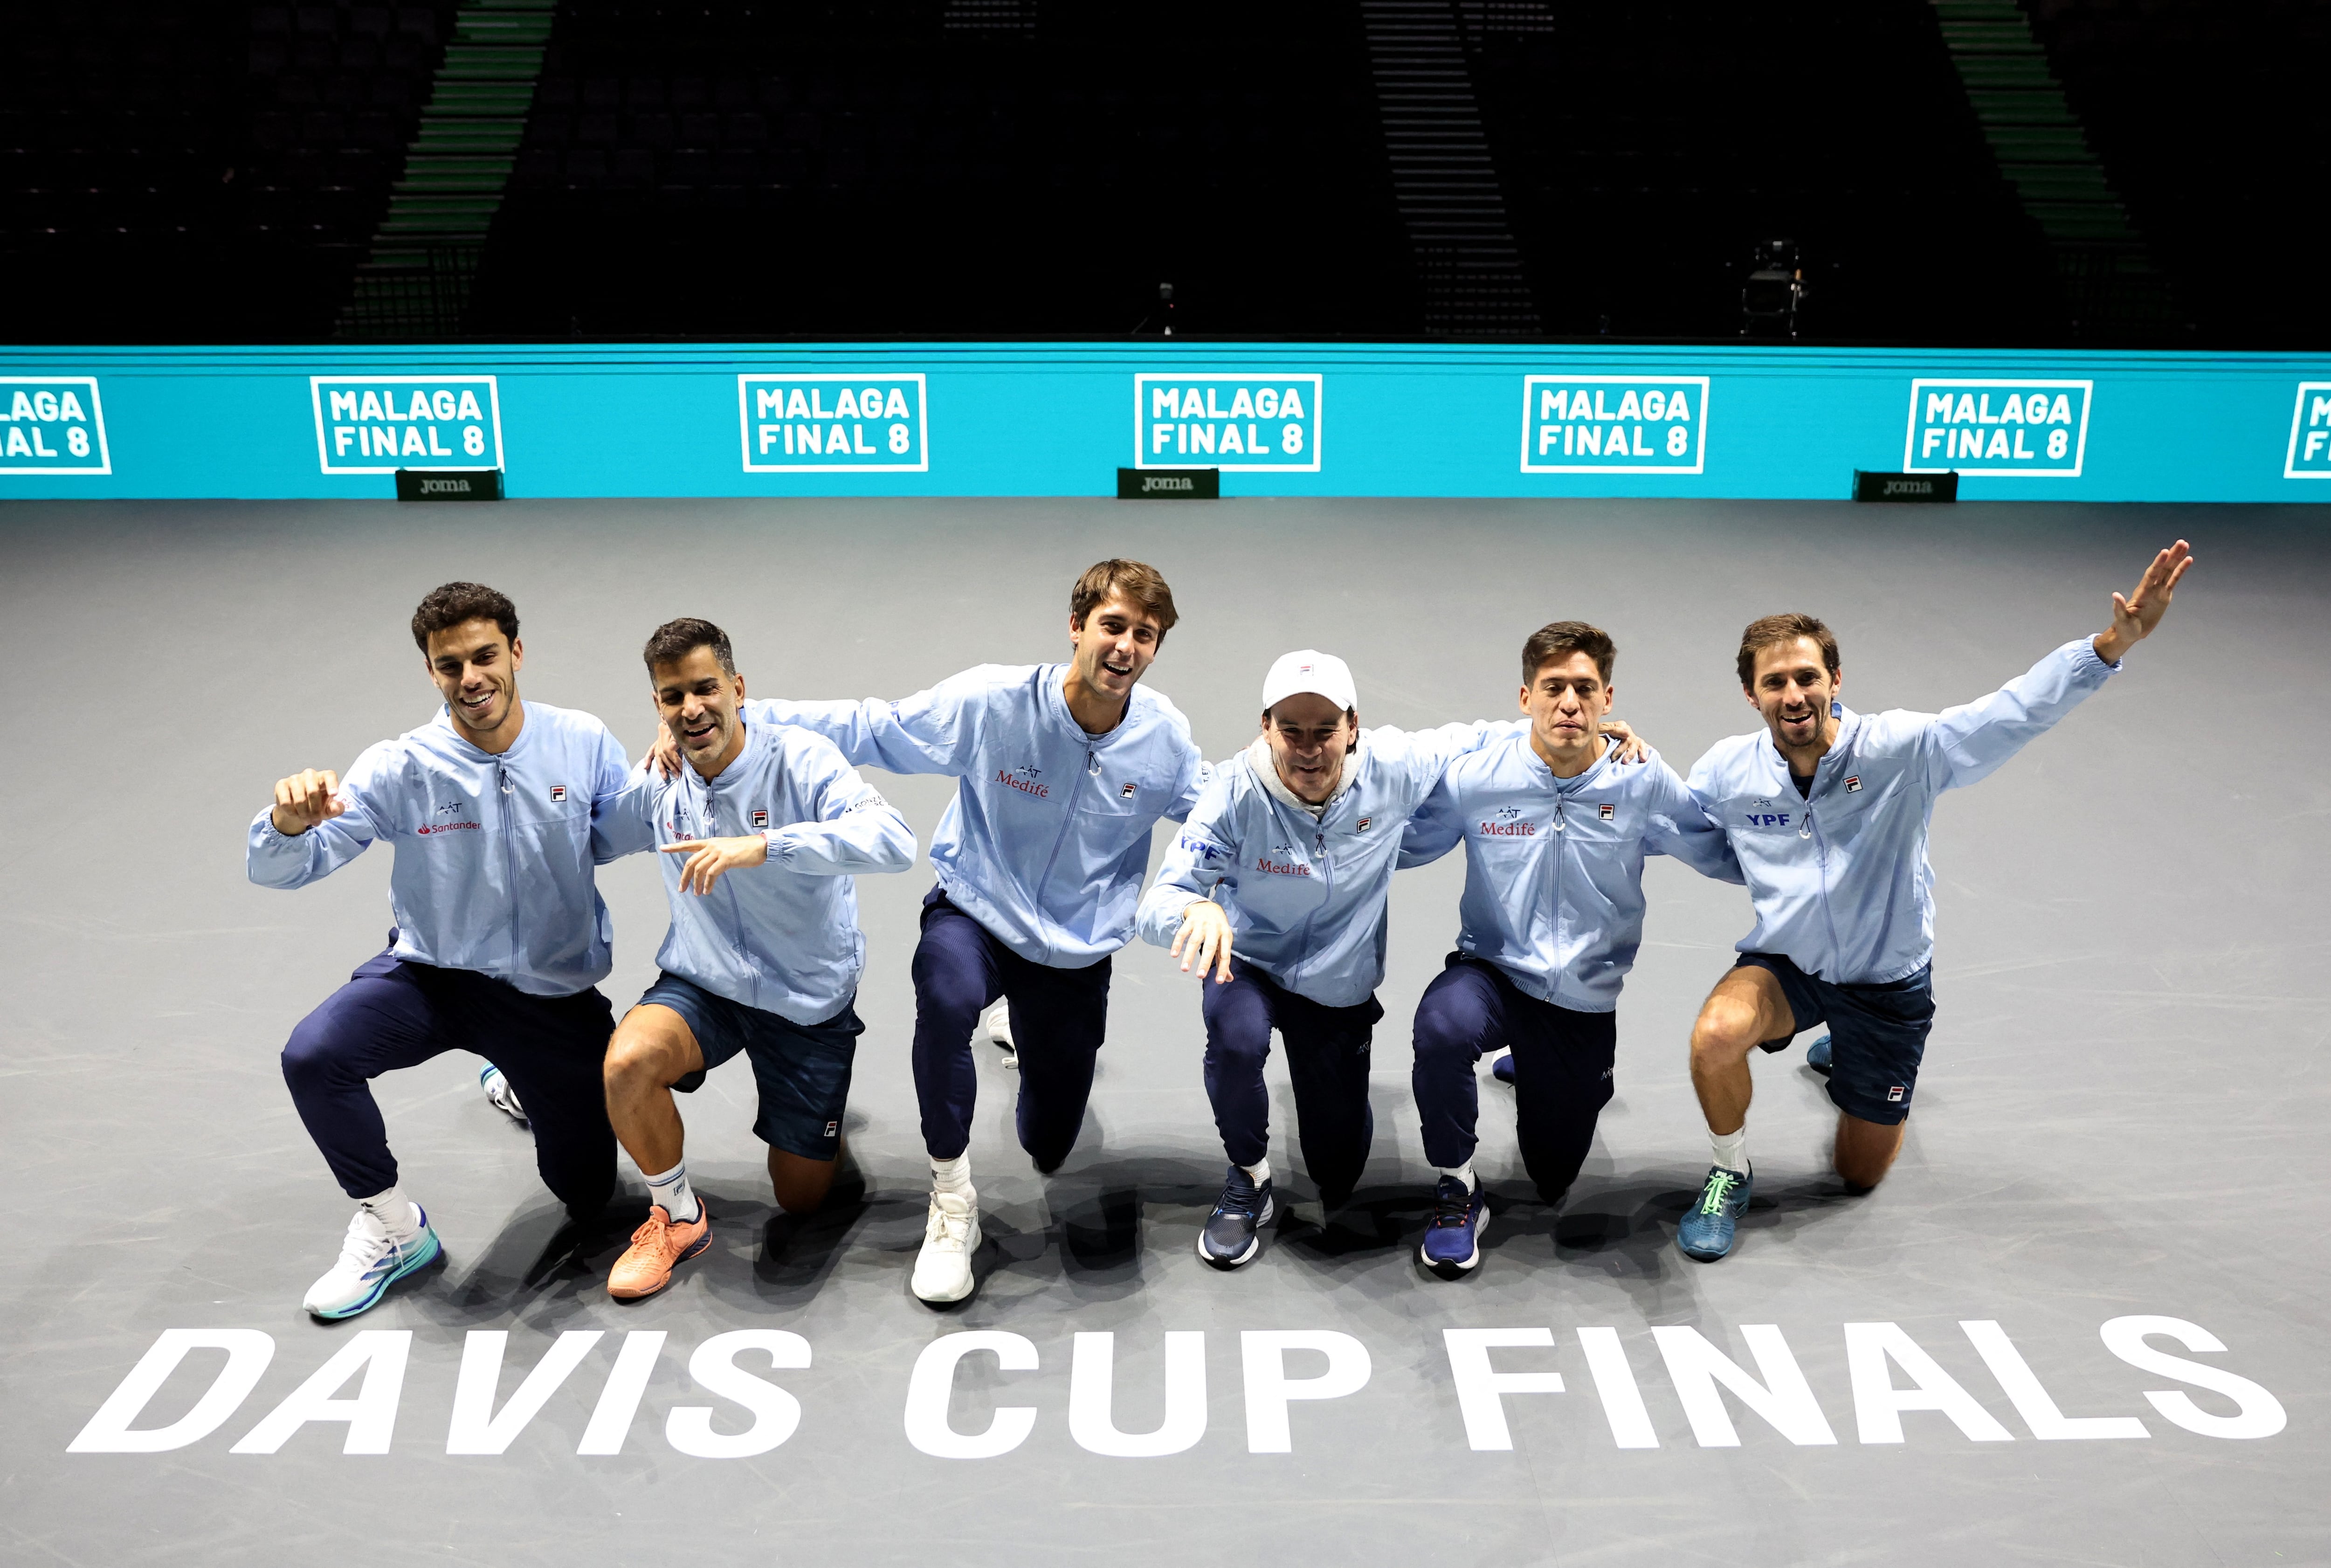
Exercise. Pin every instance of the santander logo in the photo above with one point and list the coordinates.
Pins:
(446, 828)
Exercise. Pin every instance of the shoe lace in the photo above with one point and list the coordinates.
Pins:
(946, 1229)
(365, 1245)
(652, 1229)
(1720, 1183)
(1451, 1204)
(1241, 1197)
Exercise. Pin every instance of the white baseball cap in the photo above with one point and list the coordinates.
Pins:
(1309, 669)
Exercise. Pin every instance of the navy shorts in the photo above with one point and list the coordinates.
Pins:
(1878, 1034)
(802, 1070)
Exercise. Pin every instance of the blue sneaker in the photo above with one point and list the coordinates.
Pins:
(1817, 1056)
(371, 1260)
(1502, 1069)
(1232, 1232)
(1708, 1225)
(1452, 1241)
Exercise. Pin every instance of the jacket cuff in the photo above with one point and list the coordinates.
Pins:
(2084, 653)
(773, 852)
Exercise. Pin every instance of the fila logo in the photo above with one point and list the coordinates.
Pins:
(760, 819)
(1852, 783)
(1364, 824)
(832, 1128)
(557, 794)
(1894, 1095)
(1125, 794)
(1606, 810)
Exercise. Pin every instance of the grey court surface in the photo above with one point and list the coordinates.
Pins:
(2123, 1115)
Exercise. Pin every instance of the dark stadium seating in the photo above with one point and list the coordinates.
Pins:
(1027, 168)
(2215, 122)
(200, 171)
(1646, 146)
(934, 167)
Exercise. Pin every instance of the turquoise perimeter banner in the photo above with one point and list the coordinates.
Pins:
(1058, 420)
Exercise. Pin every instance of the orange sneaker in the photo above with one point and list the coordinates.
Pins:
(658, 1247)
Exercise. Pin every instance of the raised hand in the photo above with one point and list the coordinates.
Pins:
(306, 799)
(2136, 614)
(1629, 746)
(708, 857)
(1206, 931)
(664, 753)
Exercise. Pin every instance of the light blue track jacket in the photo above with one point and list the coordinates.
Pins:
(493, 866)
(1305, 897)
(782, 937)
(1048, 835)
(1553, 868)
(1839, 880)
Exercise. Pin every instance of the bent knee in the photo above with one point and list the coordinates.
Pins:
(310, 1055)
(1724, 1031)
(637, 1058)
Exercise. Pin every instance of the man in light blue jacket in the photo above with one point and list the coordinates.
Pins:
(1828, 811)
(1065, 769)
(499, 939)
(764, 952)
(1289, 856)
(1555, 824)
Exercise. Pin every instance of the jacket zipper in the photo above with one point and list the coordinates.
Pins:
(1067, 820)
(509, 861)
(1811, 830)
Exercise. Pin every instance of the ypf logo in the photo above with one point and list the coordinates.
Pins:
(53, 424)
(377, 424)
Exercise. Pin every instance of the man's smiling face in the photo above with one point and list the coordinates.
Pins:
(697, 701)
(1792, 689)
(1114, 646)
(475, 668)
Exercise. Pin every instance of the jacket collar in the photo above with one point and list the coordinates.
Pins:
(1055, 704)
(468, 751)
(1543, 775)
(1849, 730)
(1259, 762)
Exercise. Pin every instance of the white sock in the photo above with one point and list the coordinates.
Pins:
(671, 1190)
(1732, 1149)
(394, 1210)
(1258, 1172)
(953, 1175)
(1463, 1172)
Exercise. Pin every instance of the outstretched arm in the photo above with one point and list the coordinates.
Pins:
(929, 732)
(2136, 615)
(1970, 743)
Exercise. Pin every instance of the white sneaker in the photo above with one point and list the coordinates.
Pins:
(950, 1236)
(997, 1023)
(371, 1260)
(499, 1095)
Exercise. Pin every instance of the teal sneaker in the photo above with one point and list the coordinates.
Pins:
(371, 1260)
(1709, 1224)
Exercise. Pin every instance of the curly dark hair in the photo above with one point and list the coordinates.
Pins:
(453, 603)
